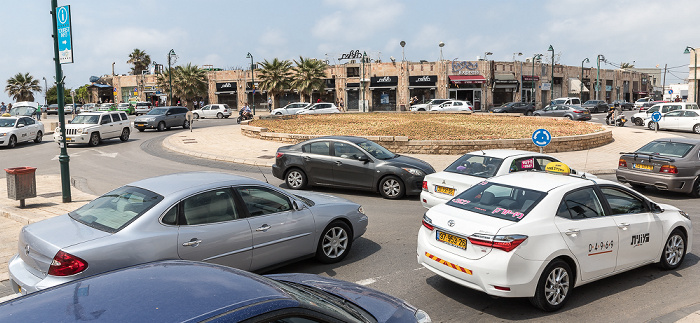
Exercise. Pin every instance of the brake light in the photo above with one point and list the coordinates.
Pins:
(668, 169)
(577, 111)
(279, 155)
(507, 289)
(428, 223)
(425, 186)
(65, 264)
(505, 242)
(622, 163)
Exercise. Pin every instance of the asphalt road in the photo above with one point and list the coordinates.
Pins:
(385, 257)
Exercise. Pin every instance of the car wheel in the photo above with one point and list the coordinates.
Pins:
(219, 115)
(12, 142)
(140, 129)
(696, 188)
(278, 113)
(674, 250)
(125, 135)
(638, 122)
(652, 125)
(569, 117)
(161, 126)
(528, 113)
(94, 139)
(335, 243)
(39, 137)
(554, 287)
(195, 115)
(186, 124)
(696, 128)
(392, 188)
(296, 179)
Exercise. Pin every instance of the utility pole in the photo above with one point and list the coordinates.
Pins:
(597, 81)
(63, 158)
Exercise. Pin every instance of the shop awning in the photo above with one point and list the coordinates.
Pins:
(575, 86)
(505, 78)
(225, 92)
(467, 79)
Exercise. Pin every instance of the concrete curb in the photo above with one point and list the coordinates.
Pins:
(168, 144)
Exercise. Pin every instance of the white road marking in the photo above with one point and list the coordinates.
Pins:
(369, 281)
(9, 297)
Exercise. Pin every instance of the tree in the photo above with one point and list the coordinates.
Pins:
(52, 98)
(189, 82)
(626, 65)
(275, 76)
(81, 94)
(310, 74)
(140, 60)
(163, 82)
(21, 87)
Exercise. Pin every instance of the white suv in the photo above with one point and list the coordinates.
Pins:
(93, 127)
(143, 107)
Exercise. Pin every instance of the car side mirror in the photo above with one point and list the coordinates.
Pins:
(168, 113)
(20, 126)
(296, 206)
(363, 158)
(655, 208)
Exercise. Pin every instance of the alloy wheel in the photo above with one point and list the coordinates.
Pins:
(674, 250)
(335, 242)
(557, 286)
(391, 187)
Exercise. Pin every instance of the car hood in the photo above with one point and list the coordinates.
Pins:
(406, 161)
(384, 307)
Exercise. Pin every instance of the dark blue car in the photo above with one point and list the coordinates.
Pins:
(184, 291)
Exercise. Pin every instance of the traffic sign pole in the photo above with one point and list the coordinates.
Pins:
(63, 158)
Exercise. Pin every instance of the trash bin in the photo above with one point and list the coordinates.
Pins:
(21, 183)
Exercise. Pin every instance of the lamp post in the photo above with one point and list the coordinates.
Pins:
(170, 75)
(46, 92)
(521, 75)
(695, 67)
(551, 86)
(441, 44)
(534, 58)
(252, 78)
(403, 55)
(516, 54)
(362, 79)
(597, 78)
(581, 92)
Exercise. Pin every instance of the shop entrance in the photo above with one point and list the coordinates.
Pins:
(471, 95)
(353, 103)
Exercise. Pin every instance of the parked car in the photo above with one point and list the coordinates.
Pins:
(218, 111)
(624, 105)
(93, 127)
(291, 108)
(126, 107)
(646, 105)
(160, 292)
(350, 162)
(540, 235)
(515, 107)
(24, 109)
(163, 118)
(669, 164)
(641, 101)
(640, 118)
(18, 129)
(426, 106)
(477, 166)
(142, 107)
(89, 107)
(567, 111)
(453, 105)
(203, 216)
(319, 108)
(52, 109)
(565, 101)
(665, 108)
(596, 106)
(683, 120)
(107, 107)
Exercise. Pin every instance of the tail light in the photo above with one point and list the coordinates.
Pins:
(279, 155)
(622, 163)
(425, 186)
(428, 223)
(577, 111)
(504, 242)
(668, 169)
(65, 264)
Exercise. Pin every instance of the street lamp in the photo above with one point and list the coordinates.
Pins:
(441, 44)
(597, 79)
(551, 86)
(252, 77)
(581, 93)
(695, 67)
(403, 55)
(486, 54)
(518, 54)
(534, 58)
(170, 74)
(46, 92)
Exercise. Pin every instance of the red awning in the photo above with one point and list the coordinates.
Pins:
(465, 79)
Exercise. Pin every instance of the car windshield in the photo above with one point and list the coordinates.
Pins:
(317, 298)
(498, 200)
(558, 101)
(7, 122)
(666, 148)
(85, 119)
(157, 112)
(475, 165)
(22, 111)
(376, 150)
(115, 210)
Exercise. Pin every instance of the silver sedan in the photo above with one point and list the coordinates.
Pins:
(205, 216)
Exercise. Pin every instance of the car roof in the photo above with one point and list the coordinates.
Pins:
(504, 153)
(169, 184)
(161, 291)
(543, 181)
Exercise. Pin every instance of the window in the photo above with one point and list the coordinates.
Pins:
(318, 147)
(580, 204)
(106, 119)
(666, 148)
(20, 121)
(262, 200)
(543, 161)
(475, 165)
(674, 114)
(622, 202)
(116, 117)
(497, 200)
(170, 217)
(345, 150)
(690, 114)
(115, 210)
(524, 163)
(29, 121)
(353, 71)
(209, 207)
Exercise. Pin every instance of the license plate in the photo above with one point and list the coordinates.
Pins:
(69, 139)
(445, 190)
(642, 166)
(140, 124)
(451, 240)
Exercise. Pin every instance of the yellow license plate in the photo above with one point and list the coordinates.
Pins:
(452, 240)
(445, 190)
(642, 166)
(69, 139)
(140, 124)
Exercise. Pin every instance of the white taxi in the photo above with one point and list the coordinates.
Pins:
(539, 235)
(20, 129)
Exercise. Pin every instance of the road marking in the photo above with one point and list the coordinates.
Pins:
(101, 154)
(369, 281)
(9, 297)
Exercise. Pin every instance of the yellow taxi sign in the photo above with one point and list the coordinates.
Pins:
(557, 168)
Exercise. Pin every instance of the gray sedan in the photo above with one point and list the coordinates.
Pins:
(163, 118)
(205, 216)
(571, 112)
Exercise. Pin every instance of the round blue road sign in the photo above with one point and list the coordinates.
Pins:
(670, 91)
(541, 137)
(656, 116)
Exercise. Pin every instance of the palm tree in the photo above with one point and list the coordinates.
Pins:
(21, 87)
(626, 65)
(276, 77)
(189, 82)
(310, 74)
(140, 60)
(163, 81)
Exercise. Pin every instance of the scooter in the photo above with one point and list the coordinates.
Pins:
(619, 120)
(242, 117)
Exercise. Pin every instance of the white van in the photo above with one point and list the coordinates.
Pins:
(566, 101)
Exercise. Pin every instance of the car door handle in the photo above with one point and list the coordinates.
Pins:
(192, 243)
(307, 158)
(337, 162)
(623, 226)
(573, 232)
(263, 228)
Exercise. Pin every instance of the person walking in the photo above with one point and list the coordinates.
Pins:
(3, 108)
(269, 104)
(38, 113)
(341, 104)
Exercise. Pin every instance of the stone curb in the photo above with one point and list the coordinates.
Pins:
(167, 143)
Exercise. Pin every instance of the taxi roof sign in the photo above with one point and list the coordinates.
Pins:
(557, 168)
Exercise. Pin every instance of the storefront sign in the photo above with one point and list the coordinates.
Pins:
(424, 80)
(384, 81)
(546, 86)
(353, 54)
(350, 85)
(530, 78)
(465, 68)
(226, 87)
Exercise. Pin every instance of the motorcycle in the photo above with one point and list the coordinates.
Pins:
(243, 117)
(619, 120)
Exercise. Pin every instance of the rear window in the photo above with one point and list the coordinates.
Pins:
(498, 200)
(666, 148)
(475, 165)
(115, 210)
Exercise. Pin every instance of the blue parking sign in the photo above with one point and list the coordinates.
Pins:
(65, 36)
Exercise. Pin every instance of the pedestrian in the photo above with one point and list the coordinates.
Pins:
(269, 104)
(195, 104)
(678, 99)
(201, 102)
(9, 107)
(318, 101)
(3, 108)
(38, 113)
(341, 104)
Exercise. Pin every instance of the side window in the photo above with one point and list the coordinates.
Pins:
(691, 114)
(318, 147)
(215, 107)
(262, 200)
(524, 163)
(543, 161)
(209, 207)
(344, 150)
(580, 204)
(622, 202)
(106, 119)
(124, 116)
(20, 121)
(116, 117)
(170, 217)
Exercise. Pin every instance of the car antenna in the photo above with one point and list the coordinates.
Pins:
(263, 174)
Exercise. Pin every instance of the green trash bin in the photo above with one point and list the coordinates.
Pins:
(21, 183)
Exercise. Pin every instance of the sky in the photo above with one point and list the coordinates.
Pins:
(221, 32)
